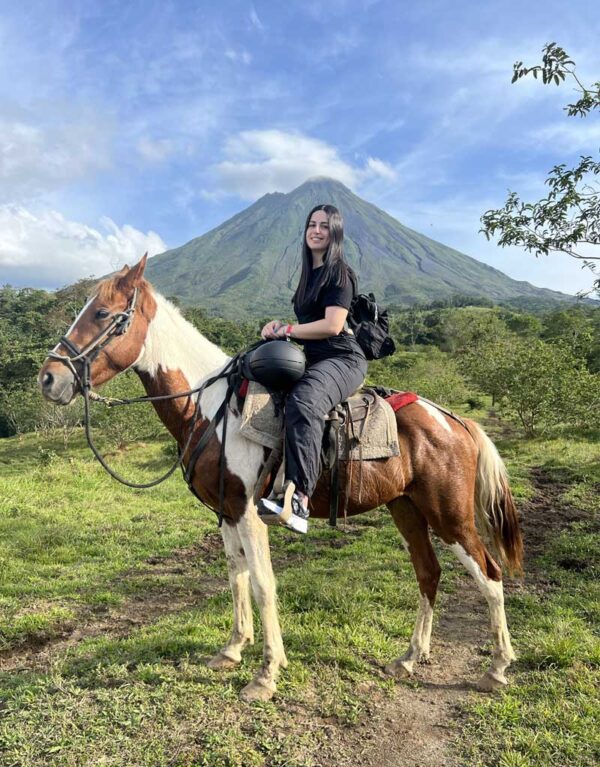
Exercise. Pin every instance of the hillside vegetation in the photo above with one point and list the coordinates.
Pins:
(541, 370)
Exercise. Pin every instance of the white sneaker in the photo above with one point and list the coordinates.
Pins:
(272, 513)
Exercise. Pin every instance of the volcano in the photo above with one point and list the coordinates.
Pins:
(249, 265)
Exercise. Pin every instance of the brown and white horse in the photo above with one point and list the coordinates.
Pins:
(445, 477)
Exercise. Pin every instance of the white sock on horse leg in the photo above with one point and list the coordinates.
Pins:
(493, 592)
(255, 542)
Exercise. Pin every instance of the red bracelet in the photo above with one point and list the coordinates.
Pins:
(288, 331)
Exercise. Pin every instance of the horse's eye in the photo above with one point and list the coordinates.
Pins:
(102, 314)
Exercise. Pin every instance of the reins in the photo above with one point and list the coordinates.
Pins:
(118, 325)
(211, 428)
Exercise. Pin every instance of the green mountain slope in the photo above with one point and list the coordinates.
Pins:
(249, 265)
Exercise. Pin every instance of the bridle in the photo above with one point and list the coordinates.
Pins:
(119, 324)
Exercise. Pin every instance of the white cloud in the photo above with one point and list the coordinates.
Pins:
(44, 249)
(572, 135)
(35, 158)
(258, 162)
(381, 168)
(255, 20)
(156, 150)
(210, 196)
(238, 55)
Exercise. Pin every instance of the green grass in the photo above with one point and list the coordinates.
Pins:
(78, 549)
(69, 533)
(75, 548)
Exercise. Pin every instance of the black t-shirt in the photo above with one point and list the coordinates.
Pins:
(314, 309)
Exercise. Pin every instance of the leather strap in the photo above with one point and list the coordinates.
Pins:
(287, 502)
(334, 488)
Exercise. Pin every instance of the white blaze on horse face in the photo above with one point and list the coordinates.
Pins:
(75, 321)
(435, 413)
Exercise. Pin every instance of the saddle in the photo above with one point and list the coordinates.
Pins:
(361, 428)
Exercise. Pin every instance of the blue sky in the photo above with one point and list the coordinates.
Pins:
(127, 126)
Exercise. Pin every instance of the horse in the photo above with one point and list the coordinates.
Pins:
(448, 474)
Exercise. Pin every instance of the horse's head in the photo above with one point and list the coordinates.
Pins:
(106, 338)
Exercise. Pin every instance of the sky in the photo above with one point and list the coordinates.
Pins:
(139, 125)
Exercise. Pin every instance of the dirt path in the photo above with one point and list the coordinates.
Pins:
(418, 723)
(415, 726)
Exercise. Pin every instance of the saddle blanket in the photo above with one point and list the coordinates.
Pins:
(262, 422)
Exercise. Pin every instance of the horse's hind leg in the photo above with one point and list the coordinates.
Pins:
(487, 575)
(239, 580)
(414, 530)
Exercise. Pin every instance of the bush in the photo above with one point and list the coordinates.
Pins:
(23, 409)
(122, 425)
(430, 373)
(536, 383)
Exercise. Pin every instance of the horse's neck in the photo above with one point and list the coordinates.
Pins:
(176, 358)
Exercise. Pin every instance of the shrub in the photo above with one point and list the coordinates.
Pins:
(430, 373)
(122, 425)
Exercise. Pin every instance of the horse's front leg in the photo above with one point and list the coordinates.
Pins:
(239, 580)
(255, 542)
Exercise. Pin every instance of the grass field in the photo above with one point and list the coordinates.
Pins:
(112, 599)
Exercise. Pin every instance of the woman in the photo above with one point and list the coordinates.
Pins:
(336, 365)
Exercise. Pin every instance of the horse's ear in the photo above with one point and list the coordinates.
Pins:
(133, 277)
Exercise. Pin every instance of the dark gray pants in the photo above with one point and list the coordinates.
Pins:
(325, 384)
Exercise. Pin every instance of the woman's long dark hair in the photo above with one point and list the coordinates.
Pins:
(336, 271)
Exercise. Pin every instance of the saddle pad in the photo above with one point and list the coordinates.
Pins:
(401, 399)
(262, 424)
(260, 421)
(378, 438)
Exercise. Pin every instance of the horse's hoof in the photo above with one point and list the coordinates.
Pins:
(222, 662)
(399, 669)
(256, 690)
(491, 682)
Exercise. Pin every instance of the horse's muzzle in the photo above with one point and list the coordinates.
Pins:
(57, 382)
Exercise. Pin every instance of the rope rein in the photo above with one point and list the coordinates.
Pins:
(119, 325)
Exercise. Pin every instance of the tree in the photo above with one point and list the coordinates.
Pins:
(568, 218)
(410, 326)
(573, 327)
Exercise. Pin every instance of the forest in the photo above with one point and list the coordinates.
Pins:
(539, 371)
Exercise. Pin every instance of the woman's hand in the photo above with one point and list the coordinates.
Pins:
(269, 332)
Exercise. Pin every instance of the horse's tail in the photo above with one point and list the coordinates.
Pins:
(494, 504)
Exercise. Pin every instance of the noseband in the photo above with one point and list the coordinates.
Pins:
(118, 326)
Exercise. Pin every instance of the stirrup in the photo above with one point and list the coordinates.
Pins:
(286, 510)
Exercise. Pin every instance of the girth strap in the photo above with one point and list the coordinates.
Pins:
(334, 488)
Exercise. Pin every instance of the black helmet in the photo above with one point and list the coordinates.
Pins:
(275, 364)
